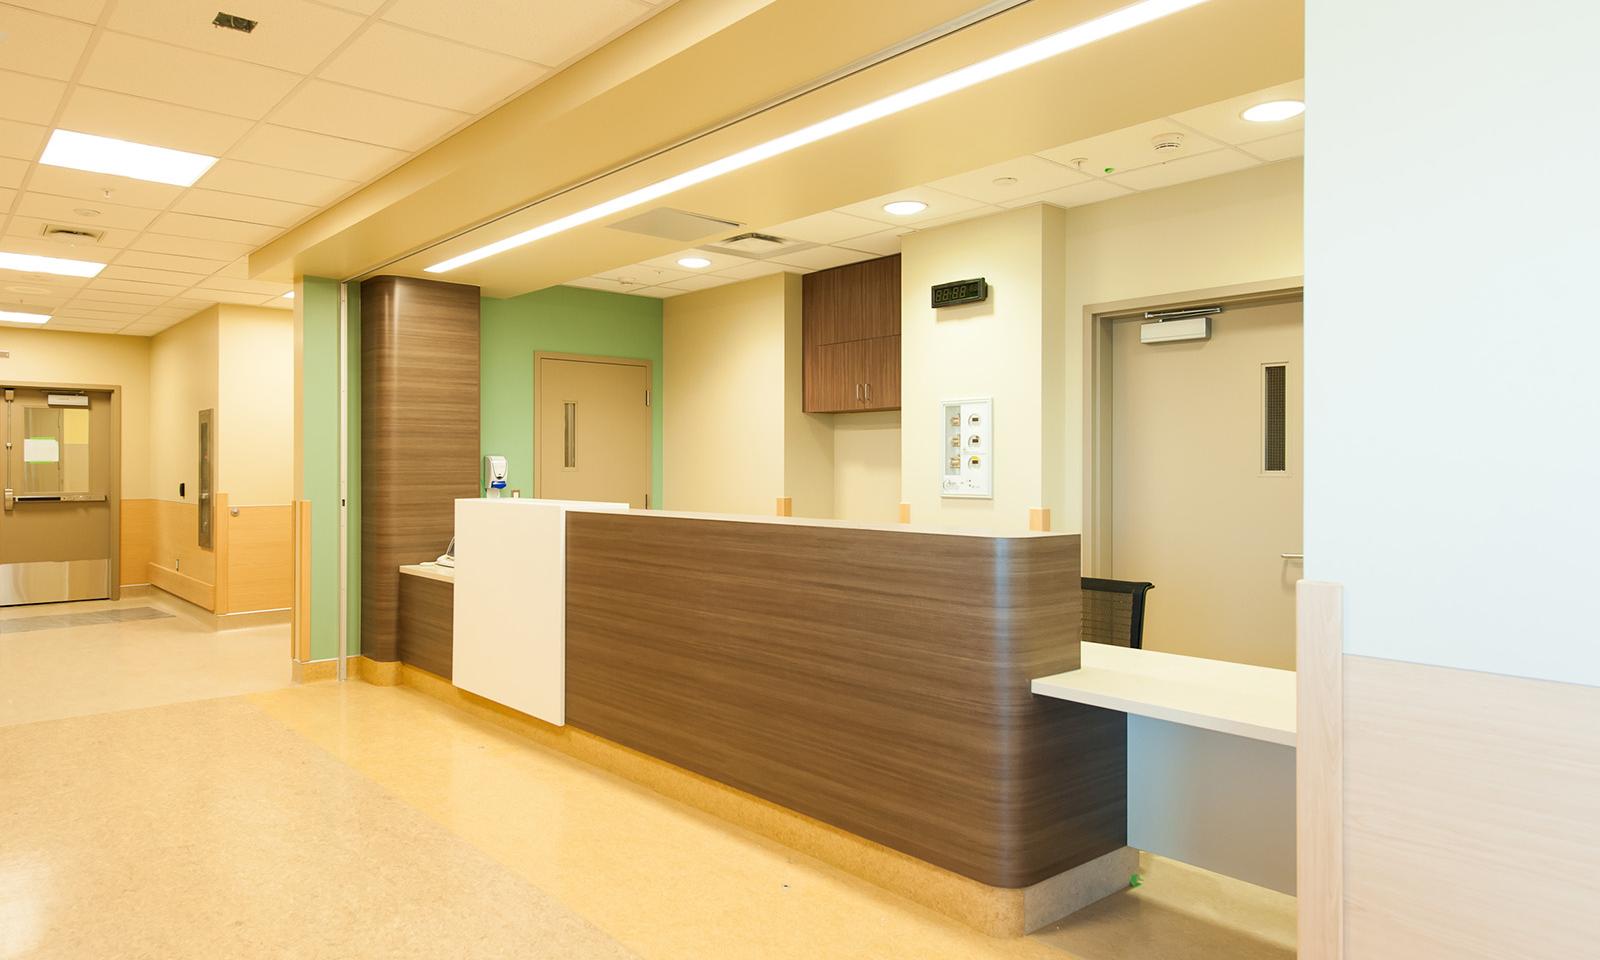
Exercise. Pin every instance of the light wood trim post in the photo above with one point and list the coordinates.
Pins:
(300, 618)
(1039, 519)
(785, 506)
(219, 527)
(1319, 769)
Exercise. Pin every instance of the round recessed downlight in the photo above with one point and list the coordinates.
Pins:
(1005, 181)
(904, 208)
(694, 263)
(86, 211)
(1274, 110)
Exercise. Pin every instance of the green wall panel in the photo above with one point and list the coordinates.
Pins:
(319, 455)
(559, 320)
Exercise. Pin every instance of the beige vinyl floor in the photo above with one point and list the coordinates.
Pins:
(260, 819)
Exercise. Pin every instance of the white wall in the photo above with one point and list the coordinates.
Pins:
(255, 390)
(866, 466)
(1452, 343)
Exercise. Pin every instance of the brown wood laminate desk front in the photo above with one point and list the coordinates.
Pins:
(875, 678)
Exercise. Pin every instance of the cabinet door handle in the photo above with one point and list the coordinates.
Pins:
(858, 392)
(869, 391)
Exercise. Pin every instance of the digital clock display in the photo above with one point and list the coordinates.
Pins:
(961, 291)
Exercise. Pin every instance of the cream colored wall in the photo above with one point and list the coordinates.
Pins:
(183, 381)
(866, 466)
(46, 356)
(1239, 228)
(724, 406)
(255, 385)
(1002, 348)
(808, 443)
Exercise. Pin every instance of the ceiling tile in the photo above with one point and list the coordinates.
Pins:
(144, 301)
(86, 10)
(751, 269)
(120, 271)
(1221, 121)
(1190, 168)
(213, 228)
(232, 206)
(147, 327)
(645, 276)
(602, 283)
(1281, 147)
(111, 240)
(1031, 176)
(186, 77)
(293, 149)
(41, 45)
(883, 244)
(134, 286)
(179, 309)
(81, 185)
(191, 247)
(821, 258)
(544, 31)
(7, 198)
(251, 179)
(74, 325)
(12, 171)
(29, 98)
(660, 293)
(359, 6)
(118, 115)
(96, 215)
(21, 140)
(229, 296)
(291, 34)
(85, 305)
(718, 260)
(940, 206)
(337, 110)
(458, 77)
(167, 261)
(826, 227)
(75, 312)
(700, 283)
(237, 270)
(1128, 149)
(1092, 191)
(260, 288)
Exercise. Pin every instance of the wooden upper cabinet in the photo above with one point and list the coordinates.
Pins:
(851, 324)
(857, 301)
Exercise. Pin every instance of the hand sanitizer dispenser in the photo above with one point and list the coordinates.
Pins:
(494, 476)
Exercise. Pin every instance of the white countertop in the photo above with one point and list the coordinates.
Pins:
(430, 570)
(1233, 698)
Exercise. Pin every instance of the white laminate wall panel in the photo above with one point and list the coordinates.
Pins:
(1214, 800)
(510, 602)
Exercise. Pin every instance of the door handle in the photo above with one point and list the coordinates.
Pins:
(869, 392)
(1292, 556)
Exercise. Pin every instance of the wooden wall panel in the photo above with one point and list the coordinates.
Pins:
(427, 623)
(138, 533)
(878, 681)
(1471, 814)
(419, 435)
(176, 543)
(1319, 769)
(260, 558)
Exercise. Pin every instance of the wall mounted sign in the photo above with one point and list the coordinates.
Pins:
(961, 291)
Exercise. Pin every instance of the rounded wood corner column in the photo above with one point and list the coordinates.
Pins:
(419, 435)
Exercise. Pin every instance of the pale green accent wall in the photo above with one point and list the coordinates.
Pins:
(353, 438)
(319, 459)
(559, 320)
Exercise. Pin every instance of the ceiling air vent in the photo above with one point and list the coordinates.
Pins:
(228, 21)
(71, 235)
(756, 246)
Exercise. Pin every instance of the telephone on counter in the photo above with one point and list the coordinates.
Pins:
(448, 558)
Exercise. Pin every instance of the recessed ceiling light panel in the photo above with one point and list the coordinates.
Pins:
(1274, 110)
(123, 158)
(28, 263)
(694, 263)
(12, 316)
(904, 208)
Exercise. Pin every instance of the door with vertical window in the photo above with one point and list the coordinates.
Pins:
(591, 433)
(1206, 482)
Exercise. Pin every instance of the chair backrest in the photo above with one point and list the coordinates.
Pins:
(1113, 611)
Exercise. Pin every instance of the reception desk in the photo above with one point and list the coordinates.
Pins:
(874, 678)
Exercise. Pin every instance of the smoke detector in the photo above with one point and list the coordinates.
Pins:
(1167, 142)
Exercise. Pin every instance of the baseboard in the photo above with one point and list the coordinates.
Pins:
(997, 911)
(182, 586)
(379, 673)
(252, 618)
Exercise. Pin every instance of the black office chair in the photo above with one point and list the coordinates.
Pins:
(1113, 611)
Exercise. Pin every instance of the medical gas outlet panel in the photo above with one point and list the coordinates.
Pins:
(968, 451)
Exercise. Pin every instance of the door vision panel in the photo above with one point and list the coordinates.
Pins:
(57, 524)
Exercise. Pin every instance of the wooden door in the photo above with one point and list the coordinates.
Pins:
(875, 363)
(592, 430)
(1206, 486)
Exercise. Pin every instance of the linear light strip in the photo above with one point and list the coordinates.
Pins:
(30, 263)
(12, 316)
(1053, 45)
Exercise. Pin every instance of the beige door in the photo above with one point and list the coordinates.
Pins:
(1205, 484)
(591, 432)
(56, 524)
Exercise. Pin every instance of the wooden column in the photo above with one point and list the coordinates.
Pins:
(419, 435)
